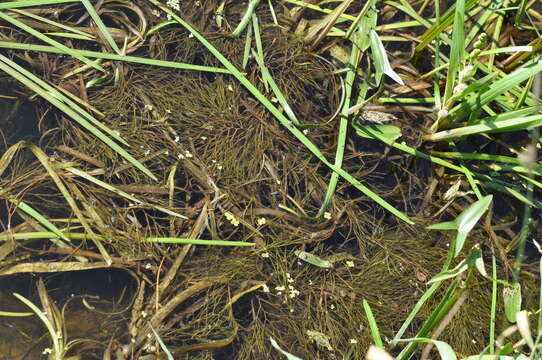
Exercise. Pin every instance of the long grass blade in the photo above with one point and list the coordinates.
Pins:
(101, 26)
(100, 55)
(50, 41)
(15, 73)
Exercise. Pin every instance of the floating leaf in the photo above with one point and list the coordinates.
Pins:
(320, 339)
(313, 259)
(380, 58)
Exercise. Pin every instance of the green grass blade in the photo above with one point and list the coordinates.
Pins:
(493, 306)
(54, 23)
(71, 113)
(162, 345)
(457, 52)
(42, 235)
(276, 90)
(100, 55)
(184, 241)
(487, 127)
(36, 215)
(45, 162)
(248, 42)
(259, 47)
(50, 41)
(55, 337)
(101, 26)
(496, 89)
(343, 123)
(71, 36)
(246, 18)
(30, 3)
(121, 193)
(64, 101)
(283, 119)
(375, 333)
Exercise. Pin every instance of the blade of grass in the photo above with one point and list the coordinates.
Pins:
(283, 120)
(276, 91)
(494, 288)
(48, 91)
(375, 333)
(486, 128)
(45, 162)
(251, 8)
(457, 51)
(343, 122)
(55, 337)
(35, 215)
(497, 88)
(30, 3)
(50, 41)
(101, 26)
(248, 42)
(100, 55)
(71, 36)
(259, 47)
(47, 94)
(121, 193)
(53, 23)
(170, 240)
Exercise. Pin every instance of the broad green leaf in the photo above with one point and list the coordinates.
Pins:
(380, 58)
(448, 225)
(471, 260)
(469, 218)
(283, 352)
(313, 259)
(512, 301)
(388, 132)
(366, 25)
(465, 221)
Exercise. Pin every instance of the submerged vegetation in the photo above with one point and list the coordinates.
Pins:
(279, 179)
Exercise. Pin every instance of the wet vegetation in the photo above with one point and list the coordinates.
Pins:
(267, 180)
